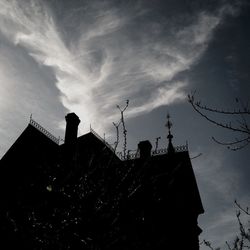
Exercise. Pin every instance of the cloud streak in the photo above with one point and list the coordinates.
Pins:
(117, 55)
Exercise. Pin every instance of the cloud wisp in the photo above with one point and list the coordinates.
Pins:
(115, 56)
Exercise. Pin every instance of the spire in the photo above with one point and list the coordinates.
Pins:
(170, 136)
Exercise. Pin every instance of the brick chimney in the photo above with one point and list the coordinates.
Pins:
(145, 149)
(72, 122)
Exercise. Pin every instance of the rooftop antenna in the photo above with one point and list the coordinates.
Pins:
(169, 125)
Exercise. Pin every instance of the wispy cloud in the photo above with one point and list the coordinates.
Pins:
(110, 62)
(220, 185)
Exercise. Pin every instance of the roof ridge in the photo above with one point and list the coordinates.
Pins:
(101, 139)
(44, 131)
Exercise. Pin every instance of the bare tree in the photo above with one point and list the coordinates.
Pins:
(242, 240)
(237, 121)
(124, 130)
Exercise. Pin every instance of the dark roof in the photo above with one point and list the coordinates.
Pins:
(171, 173)
(148, 197)
(32, 143)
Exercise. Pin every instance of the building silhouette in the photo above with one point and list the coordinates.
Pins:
(81, 195)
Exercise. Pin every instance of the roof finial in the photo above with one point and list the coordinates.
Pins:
(157, 143)
(170, 136)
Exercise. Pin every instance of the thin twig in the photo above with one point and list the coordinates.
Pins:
(226, 126)
(124, 127)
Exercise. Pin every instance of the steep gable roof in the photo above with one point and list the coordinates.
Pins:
(30, 144)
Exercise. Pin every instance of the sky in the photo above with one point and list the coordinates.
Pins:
(87, 57)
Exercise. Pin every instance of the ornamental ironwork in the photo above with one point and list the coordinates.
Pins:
(161, 151)
(100, 138)
(44, 131)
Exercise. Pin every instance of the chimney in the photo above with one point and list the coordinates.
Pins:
(72, 122)
(145, 149)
